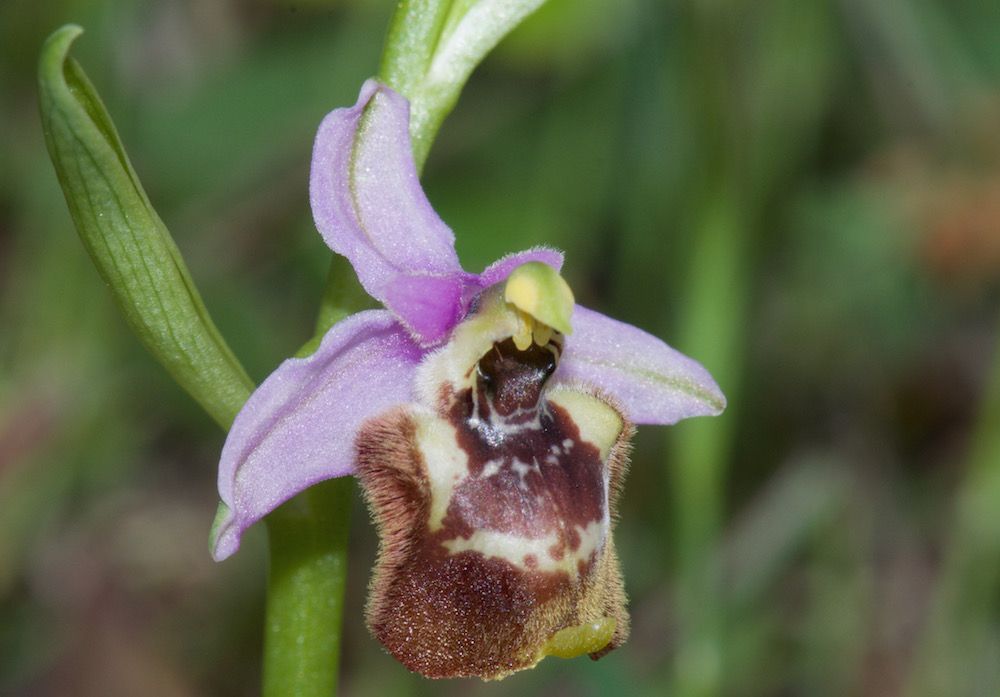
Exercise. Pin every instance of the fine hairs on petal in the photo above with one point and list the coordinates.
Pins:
(499, 270)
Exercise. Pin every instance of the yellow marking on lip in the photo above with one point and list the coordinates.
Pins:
(599, 424)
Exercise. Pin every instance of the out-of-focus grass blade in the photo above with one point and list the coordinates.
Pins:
(958, 652)
(805, 495)
(126, 239)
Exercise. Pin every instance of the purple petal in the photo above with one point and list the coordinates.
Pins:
(418, 298)
(298, 427)
(500, 269)
(651, 382)
(368, 205)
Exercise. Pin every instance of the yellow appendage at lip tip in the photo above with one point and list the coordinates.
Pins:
(583, 638)
(544, 302)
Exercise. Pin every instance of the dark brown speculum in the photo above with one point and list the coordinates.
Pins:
(494, 509)
(513, 380)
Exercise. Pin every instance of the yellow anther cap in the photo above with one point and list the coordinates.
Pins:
(537, 290)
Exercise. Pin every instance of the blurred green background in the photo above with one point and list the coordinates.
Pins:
(802, 194)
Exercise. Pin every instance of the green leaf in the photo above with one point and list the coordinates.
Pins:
(127, 241)
(432, 48)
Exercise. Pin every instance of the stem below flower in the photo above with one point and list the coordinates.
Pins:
(305, 591)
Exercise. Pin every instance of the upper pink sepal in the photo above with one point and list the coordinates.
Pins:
(368, 205)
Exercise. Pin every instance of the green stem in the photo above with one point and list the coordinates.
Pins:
(305, 591)
(307, 539)
(342, 296)
(414, 33)
(432, 48)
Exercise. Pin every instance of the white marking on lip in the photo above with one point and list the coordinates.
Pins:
(521, 469)
(490, 469)
(514, 548)
(447, 465)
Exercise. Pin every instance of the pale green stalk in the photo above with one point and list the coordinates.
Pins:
(305, 591)
(432, 48)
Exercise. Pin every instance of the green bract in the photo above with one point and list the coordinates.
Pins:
(129, 244)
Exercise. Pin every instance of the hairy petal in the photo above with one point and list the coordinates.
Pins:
(500, 269)
(651, 382)
(299, 426)
(368, 205)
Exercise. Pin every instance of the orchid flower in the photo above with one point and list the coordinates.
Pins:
(487, 417)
